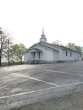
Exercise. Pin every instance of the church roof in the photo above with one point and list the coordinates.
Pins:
(59, 46)
(51, 46)
(35, 50)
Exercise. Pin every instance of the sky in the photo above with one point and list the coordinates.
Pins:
(24, 19)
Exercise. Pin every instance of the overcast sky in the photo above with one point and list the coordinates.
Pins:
(62, 20)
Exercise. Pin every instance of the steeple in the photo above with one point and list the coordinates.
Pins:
(43, 38)
(42, 31)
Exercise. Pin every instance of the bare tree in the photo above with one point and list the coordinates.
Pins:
(4, 46)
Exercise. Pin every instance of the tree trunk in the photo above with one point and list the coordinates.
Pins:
(21, 61)
(8, 54)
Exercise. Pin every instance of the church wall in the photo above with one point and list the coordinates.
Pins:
(56, 55)
(74, 56)
(47, 54)
(26, 57)
(50, 52)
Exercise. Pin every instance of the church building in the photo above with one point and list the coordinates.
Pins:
(43, 52)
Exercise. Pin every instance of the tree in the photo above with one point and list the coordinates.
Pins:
(78, 48)
(4, 44)
(7, 51)
(71, 45)
(16, 52)
(74, 47)
(57, 42)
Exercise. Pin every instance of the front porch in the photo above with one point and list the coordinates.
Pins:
(35, 56)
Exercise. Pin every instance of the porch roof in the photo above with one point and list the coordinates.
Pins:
(35, 50)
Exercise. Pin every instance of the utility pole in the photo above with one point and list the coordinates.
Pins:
(0, 45)
(8, 53)
(0, 56)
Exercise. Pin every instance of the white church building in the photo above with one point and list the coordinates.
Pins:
(43, 52)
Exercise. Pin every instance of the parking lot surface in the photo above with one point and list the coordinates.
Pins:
(26, 84)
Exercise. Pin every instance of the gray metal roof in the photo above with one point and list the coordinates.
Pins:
(51, 46)
(35, 50)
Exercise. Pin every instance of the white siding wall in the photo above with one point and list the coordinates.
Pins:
(74, 56)
(68, 57)
(50, 55)
(26, 57)
(60, 54)
(56, 56)
(47, 53)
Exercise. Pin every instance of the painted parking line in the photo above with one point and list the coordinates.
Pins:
(21, 75)
(24, 93)
(62, 72)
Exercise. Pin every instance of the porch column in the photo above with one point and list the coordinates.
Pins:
(36, 56)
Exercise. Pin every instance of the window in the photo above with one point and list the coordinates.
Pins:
(66, 53)
(71, 54)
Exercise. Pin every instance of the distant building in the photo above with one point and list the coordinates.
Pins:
(43, 52)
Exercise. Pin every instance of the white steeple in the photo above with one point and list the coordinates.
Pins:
(43, 38)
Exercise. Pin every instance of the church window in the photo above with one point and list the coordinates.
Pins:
(66, 53)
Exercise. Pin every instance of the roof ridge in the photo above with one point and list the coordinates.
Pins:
(60, 46)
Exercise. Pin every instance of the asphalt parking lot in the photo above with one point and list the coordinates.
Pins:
(26, 84)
